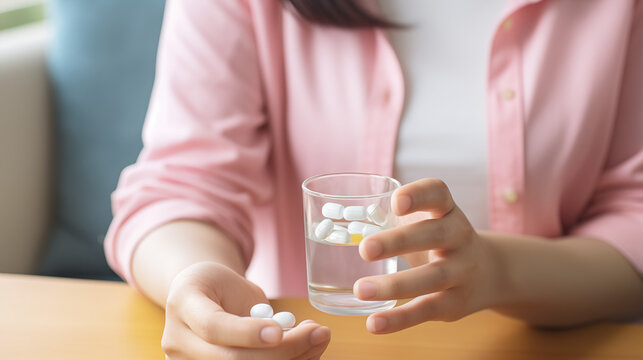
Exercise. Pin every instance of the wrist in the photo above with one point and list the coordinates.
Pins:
(498, 276)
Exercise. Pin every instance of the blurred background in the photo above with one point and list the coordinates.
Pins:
(75, 80)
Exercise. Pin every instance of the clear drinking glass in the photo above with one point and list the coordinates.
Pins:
(357, 205)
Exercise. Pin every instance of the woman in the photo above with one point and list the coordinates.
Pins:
(253, 96)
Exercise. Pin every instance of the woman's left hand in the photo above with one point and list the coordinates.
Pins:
(452, 272)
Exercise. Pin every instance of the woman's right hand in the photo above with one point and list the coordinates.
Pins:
(206, 317)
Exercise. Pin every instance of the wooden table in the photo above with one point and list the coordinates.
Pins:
(49, 318)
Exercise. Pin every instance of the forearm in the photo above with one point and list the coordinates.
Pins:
(565, 282)
(167, 250)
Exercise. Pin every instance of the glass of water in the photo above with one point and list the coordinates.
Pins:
(339, 211)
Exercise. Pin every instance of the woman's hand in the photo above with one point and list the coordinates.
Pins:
(452, 272)
(206, 318)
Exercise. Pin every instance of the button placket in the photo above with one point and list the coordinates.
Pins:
(506, 130)
(508, 94)
(510, 195)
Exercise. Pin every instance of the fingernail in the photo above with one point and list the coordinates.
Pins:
(270, 334)
(376, 324)
(366, 290)
(404, 203)
(319, 335)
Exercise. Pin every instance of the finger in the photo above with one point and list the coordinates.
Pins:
(187, 345)
(321, 335)
(296, 343)
(173, 340)
(300, 340)
(448, 305)
(314, 353)
(431, 195)
(307, 321)
(421, 280)
(448, 233)
(210, 322)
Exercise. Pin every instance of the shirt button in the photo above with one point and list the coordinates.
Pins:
(510, 196)
(508, 94)
(507, 24)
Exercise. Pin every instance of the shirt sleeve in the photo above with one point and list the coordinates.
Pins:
(206, 140)
(615, 213)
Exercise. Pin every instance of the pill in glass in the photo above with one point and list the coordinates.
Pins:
(356, 227)
(376, 214)
(339, 237)
(263, 311)
(370, 230)
(333, 210)
(355, 213)
(324, 229)
(285, 319)
(339, 227)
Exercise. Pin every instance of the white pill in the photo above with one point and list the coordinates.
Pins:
(263, 311)
(355, 213)
(370, 230)
(339, 227)
(339, 237)
(376, 214)
(285, 319)
(356, 227)
(324, 229)
(333, 211)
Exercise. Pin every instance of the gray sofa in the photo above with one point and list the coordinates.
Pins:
(26, 148)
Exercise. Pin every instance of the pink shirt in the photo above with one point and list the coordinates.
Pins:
(250, 100)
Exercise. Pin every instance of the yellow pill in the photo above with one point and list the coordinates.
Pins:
(356, 238)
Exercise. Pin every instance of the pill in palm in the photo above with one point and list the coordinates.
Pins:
(376, 214)
(333, 210)
(370, 230)
(285, 319)
(324, 229)
(263, 311)
(355, 213)
(339, 237)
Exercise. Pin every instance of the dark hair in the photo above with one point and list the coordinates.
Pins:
(340, 13)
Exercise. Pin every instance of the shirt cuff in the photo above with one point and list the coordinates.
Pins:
(126, 233)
